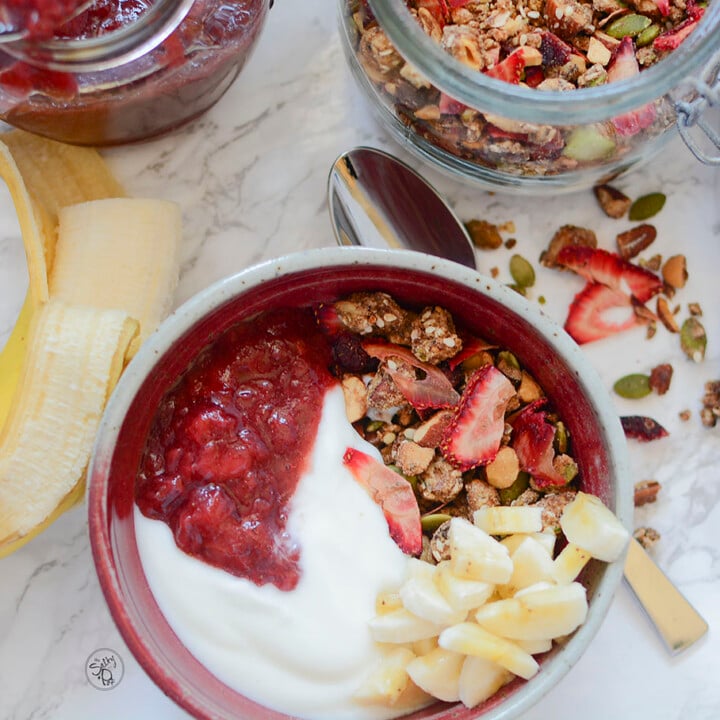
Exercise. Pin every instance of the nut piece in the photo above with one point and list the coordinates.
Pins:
(646, 491)
(674, 271)
(484, 235)
(711, 404)
(528, 390)
(411, 458)
(646, 536)
(429, 433)
(567, 235)
(660, 378)
(666, 315)
(632, 242)
(503, 470)
(355, 397)
(613, 203)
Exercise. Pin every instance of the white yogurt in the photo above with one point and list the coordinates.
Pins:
(303, 652)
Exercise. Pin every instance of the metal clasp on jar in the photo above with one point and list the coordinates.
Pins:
(690, 113)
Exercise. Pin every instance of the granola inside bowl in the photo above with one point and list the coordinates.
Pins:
(273, 470)
(534, 95)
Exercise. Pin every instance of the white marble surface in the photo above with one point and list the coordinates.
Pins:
(250, 177)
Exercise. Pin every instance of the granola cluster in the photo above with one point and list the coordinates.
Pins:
(458, 417)
(550, 45)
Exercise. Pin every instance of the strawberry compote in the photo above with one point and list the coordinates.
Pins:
(127, 98)
(230, 442)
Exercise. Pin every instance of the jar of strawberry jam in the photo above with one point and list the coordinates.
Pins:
(118, 71)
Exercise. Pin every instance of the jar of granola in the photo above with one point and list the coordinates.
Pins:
(117, 71)
(538, 95)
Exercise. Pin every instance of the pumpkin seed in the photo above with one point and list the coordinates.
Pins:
(521, 484)
(522, 271)
(507, 358)
(374, 425)
(431, 522)
(647, 206)
(561, 437)
(693, 339)
(520, 289)
(633, 386)
(647, 35)
(628, 26)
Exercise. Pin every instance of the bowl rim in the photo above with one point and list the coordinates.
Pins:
(226, 289)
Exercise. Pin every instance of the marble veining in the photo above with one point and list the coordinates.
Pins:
(251, 179)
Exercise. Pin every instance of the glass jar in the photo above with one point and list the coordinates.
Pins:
(125, 71)
(501, 134)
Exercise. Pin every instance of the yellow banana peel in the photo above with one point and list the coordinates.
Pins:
(76, 330)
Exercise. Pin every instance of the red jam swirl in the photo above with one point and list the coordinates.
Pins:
(230, 441)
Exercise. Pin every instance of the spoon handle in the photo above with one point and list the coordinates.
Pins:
(675, 619)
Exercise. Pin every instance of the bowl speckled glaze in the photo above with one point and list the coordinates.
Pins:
(485, 306)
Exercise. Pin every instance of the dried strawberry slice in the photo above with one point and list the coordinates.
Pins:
(432, 390)
(624, 65)
(470, 346)
(512, 67)
(393, 494)
(534, 76)
(671, 39)
(450, 106)
(663, 6)
(610, 269)
(533, 442)
(555, 52)
(329, 321)
(437, 8)
(474, 434)
(585, 322)
(642, 428)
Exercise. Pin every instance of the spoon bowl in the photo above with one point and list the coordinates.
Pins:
(376, 200)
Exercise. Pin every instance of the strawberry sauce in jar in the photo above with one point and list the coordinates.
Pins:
(124, 70)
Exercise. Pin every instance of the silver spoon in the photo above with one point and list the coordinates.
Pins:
(378, 201)
(375, 200)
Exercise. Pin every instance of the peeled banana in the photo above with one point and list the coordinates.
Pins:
(102, 271)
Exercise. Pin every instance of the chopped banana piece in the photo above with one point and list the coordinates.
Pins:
(462, 593)
(476, 555)
(480, 679)
(531, 564)
(471, 639)
(544, 613)
(387, 681)
(422, 597)
(546, 538)
(568, 564)
(401, 626)
(438, 673)
(506, 520)
(387, 601)
(591, 525)
(535, 647)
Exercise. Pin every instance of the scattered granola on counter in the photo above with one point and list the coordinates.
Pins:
(647, 537)
(646, 491)
(711, 404)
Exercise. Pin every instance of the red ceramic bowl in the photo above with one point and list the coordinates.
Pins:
(490, 309)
